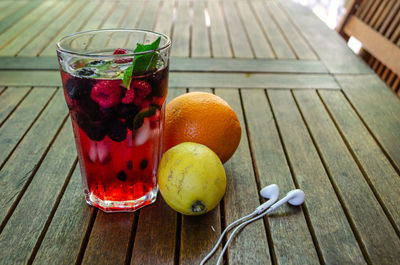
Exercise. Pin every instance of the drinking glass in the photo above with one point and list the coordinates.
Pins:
(117, 117)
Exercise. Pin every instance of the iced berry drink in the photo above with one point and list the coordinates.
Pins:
(118, 129)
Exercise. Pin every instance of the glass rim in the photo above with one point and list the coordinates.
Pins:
(64, 50)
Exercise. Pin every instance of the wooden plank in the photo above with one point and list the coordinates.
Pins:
(17, 44)
(157, 227)
(133, 16)
(279, 45)
(155, 235)
(379, 109)
(24, 160)
(252, 80)
(47, 36)
(333, 233)
(377, 168)
(241, 197)
(181, 31)
(16, 126)
(98, 18)
(324, 40)
(377, 45)
(165, 18)
(187, 64)
(19, 237)
(220, 44)
(200, 233)
(67, 228)
(13, 18)
(117, 16)
(149, 16)
(240, 44)
(288, 226)
(259, 43)
(71, 26)
(10, 99)
(296, 40)
(9, 7)
(375, 230)
(22, 24)
(291, 81)
(200, 41)
(109, 239)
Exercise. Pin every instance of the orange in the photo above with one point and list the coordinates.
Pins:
(202, 118)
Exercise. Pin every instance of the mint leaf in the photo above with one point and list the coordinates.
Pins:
(142, 63)
(139, 118)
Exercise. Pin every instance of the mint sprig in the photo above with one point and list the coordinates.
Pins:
(142, 63)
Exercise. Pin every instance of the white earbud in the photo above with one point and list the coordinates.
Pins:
(270, 192)
(293, 197)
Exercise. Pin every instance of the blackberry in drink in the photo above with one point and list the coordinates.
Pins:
(116, 98)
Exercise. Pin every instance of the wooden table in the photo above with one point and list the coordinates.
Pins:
(313, 117)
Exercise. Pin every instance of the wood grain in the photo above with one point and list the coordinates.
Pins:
(16, 126)
(109, 239)
(326, 43)
(67, 228)
(333, 232)
(24, 160)
(23, 229)
(292, 241)
(9, 100)
(220, 44)
(279, 45)
(378, 170)
(257, 39)
(251, 245)
(378, 108)
(297, 42)
(200, 42)
(181, 32)
(239, 41)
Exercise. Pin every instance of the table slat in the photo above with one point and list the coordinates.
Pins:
(334, 235)
(258, 41)
(30, 33)
(23, 24)
(20, 121)
(329, 46)
(237, 34)
(165, 18)
(292, 241)
(23, 230)
(379, 109)
(377, 168)
(200, 37)
(16, 173)
(12, 19)
(220, 44)
(297, 42)
(67, 228)
(181, 31)
(109, 239)
(382, 247)
(46, 37)
(10, 99)
(250, 246)
(275, 36)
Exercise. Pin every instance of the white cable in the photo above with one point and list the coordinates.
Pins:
(229, 227)
(238, 229)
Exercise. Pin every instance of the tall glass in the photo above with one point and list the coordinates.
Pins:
(117, 118)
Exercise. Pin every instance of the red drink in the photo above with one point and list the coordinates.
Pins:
(118, 130)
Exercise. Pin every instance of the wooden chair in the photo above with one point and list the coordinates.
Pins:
(376, 24)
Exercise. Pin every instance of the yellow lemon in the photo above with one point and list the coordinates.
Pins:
(191, 178)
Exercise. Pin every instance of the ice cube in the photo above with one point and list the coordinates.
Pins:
(143, 133)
